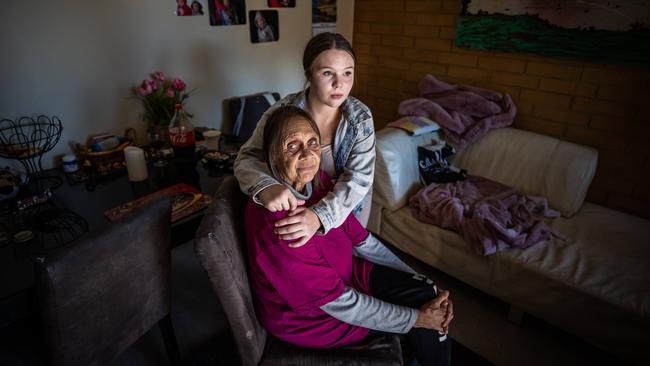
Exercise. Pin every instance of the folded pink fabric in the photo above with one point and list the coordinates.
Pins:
(464, 113)
(489, 215)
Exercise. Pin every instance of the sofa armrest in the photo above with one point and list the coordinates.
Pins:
(397, 176)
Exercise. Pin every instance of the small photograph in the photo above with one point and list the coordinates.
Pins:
(281, 3)
(323, 11)
(188, 7)
(263, 25)
(227, 12)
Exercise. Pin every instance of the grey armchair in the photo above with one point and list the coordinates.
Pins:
(103, 293)
(221, 248)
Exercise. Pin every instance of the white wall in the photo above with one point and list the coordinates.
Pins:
(77, 59)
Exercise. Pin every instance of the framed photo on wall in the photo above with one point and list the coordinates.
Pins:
(227, 12)
(323, 16)
(264, 25)
(185, 8)
(281, 3)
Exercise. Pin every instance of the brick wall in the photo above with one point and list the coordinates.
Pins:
(600, 105)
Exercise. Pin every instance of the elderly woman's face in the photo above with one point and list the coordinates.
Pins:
(300, 153)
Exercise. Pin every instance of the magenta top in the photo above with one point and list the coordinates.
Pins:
(291, 284)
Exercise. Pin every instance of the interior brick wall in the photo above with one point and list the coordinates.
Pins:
(596, 104)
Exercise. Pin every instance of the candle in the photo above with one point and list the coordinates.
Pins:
(212, 139)
(136, 165)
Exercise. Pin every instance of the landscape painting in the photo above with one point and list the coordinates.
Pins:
(613, 31)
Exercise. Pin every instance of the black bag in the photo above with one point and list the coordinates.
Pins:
(246, 111)
(434, 164)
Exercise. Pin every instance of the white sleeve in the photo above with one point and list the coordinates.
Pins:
(375, 251)
(359, 309)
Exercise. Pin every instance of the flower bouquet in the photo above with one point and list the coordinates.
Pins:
(159, 95)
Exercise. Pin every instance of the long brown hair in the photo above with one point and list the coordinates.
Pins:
(274, 130)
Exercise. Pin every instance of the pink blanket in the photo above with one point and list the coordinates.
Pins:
(464, 113)
(490, 216)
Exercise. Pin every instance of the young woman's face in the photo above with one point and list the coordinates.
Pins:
(300, 153)
(332, 77)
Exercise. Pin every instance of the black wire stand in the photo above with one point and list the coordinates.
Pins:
(27, 140)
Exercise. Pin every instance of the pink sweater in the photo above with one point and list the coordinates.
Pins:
(291, 284)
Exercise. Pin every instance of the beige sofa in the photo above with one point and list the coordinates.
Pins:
(595, 285)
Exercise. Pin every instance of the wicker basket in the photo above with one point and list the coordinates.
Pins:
(104, 162)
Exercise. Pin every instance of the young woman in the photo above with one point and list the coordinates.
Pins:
(340, 286)
(348, 146)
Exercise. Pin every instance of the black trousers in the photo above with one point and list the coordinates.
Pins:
(399, 288)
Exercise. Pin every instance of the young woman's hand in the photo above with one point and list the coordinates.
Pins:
(277, 197)
(302, 223)
(432, 315)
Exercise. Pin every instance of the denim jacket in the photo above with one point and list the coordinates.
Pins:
(354, 161)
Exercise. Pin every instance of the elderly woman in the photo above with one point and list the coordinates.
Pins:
(339, 286)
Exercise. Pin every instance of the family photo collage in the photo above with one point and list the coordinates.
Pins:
(264, 25)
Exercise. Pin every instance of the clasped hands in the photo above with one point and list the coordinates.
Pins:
(301, 223)
(437, 313)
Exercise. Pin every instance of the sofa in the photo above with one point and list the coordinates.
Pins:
(595, 284)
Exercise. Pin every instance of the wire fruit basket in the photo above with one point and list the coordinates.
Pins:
(27, 140)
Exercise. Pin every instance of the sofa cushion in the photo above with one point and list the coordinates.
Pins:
(539, 165)
(395, 181)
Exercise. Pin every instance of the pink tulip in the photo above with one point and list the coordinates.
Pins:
(155, 84)
(178, 84)
(142, 92)
(169, 93)
(158, 76)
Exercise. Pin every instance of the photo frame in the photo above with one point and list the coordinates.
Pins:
(188, 8)
(227, 12)
(281, 3)
(264, 26)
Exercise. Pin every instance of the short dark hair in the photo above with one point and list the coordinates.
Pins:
(276, 124)
(321, 43)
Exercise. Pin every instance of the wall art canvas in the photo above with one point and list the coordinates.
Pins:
(281, 3)
(183, 8)
(614, 30)
(264, 25)
(323, 16)
(227, 12)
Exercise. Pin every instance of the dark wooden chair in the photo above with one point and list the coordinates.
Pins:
(103, 293)
(221, 248)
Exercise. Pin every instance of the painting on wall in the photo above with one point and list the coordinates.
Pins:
(281, 3)
(227, 12)
(264, 25)
(323, 16)
(614, 30)
(185, 8)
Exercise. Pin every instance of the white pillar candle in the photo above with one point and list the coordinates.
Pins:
(212, 139)
(136, 165)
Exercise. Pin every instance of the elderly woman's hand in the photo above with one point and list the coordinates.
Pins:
(449, 316)
(302, 223)
(433, 314)
(277, 197)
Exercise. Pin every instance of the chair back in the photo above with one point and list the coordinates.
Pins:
(100, 295)
(221, 247)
